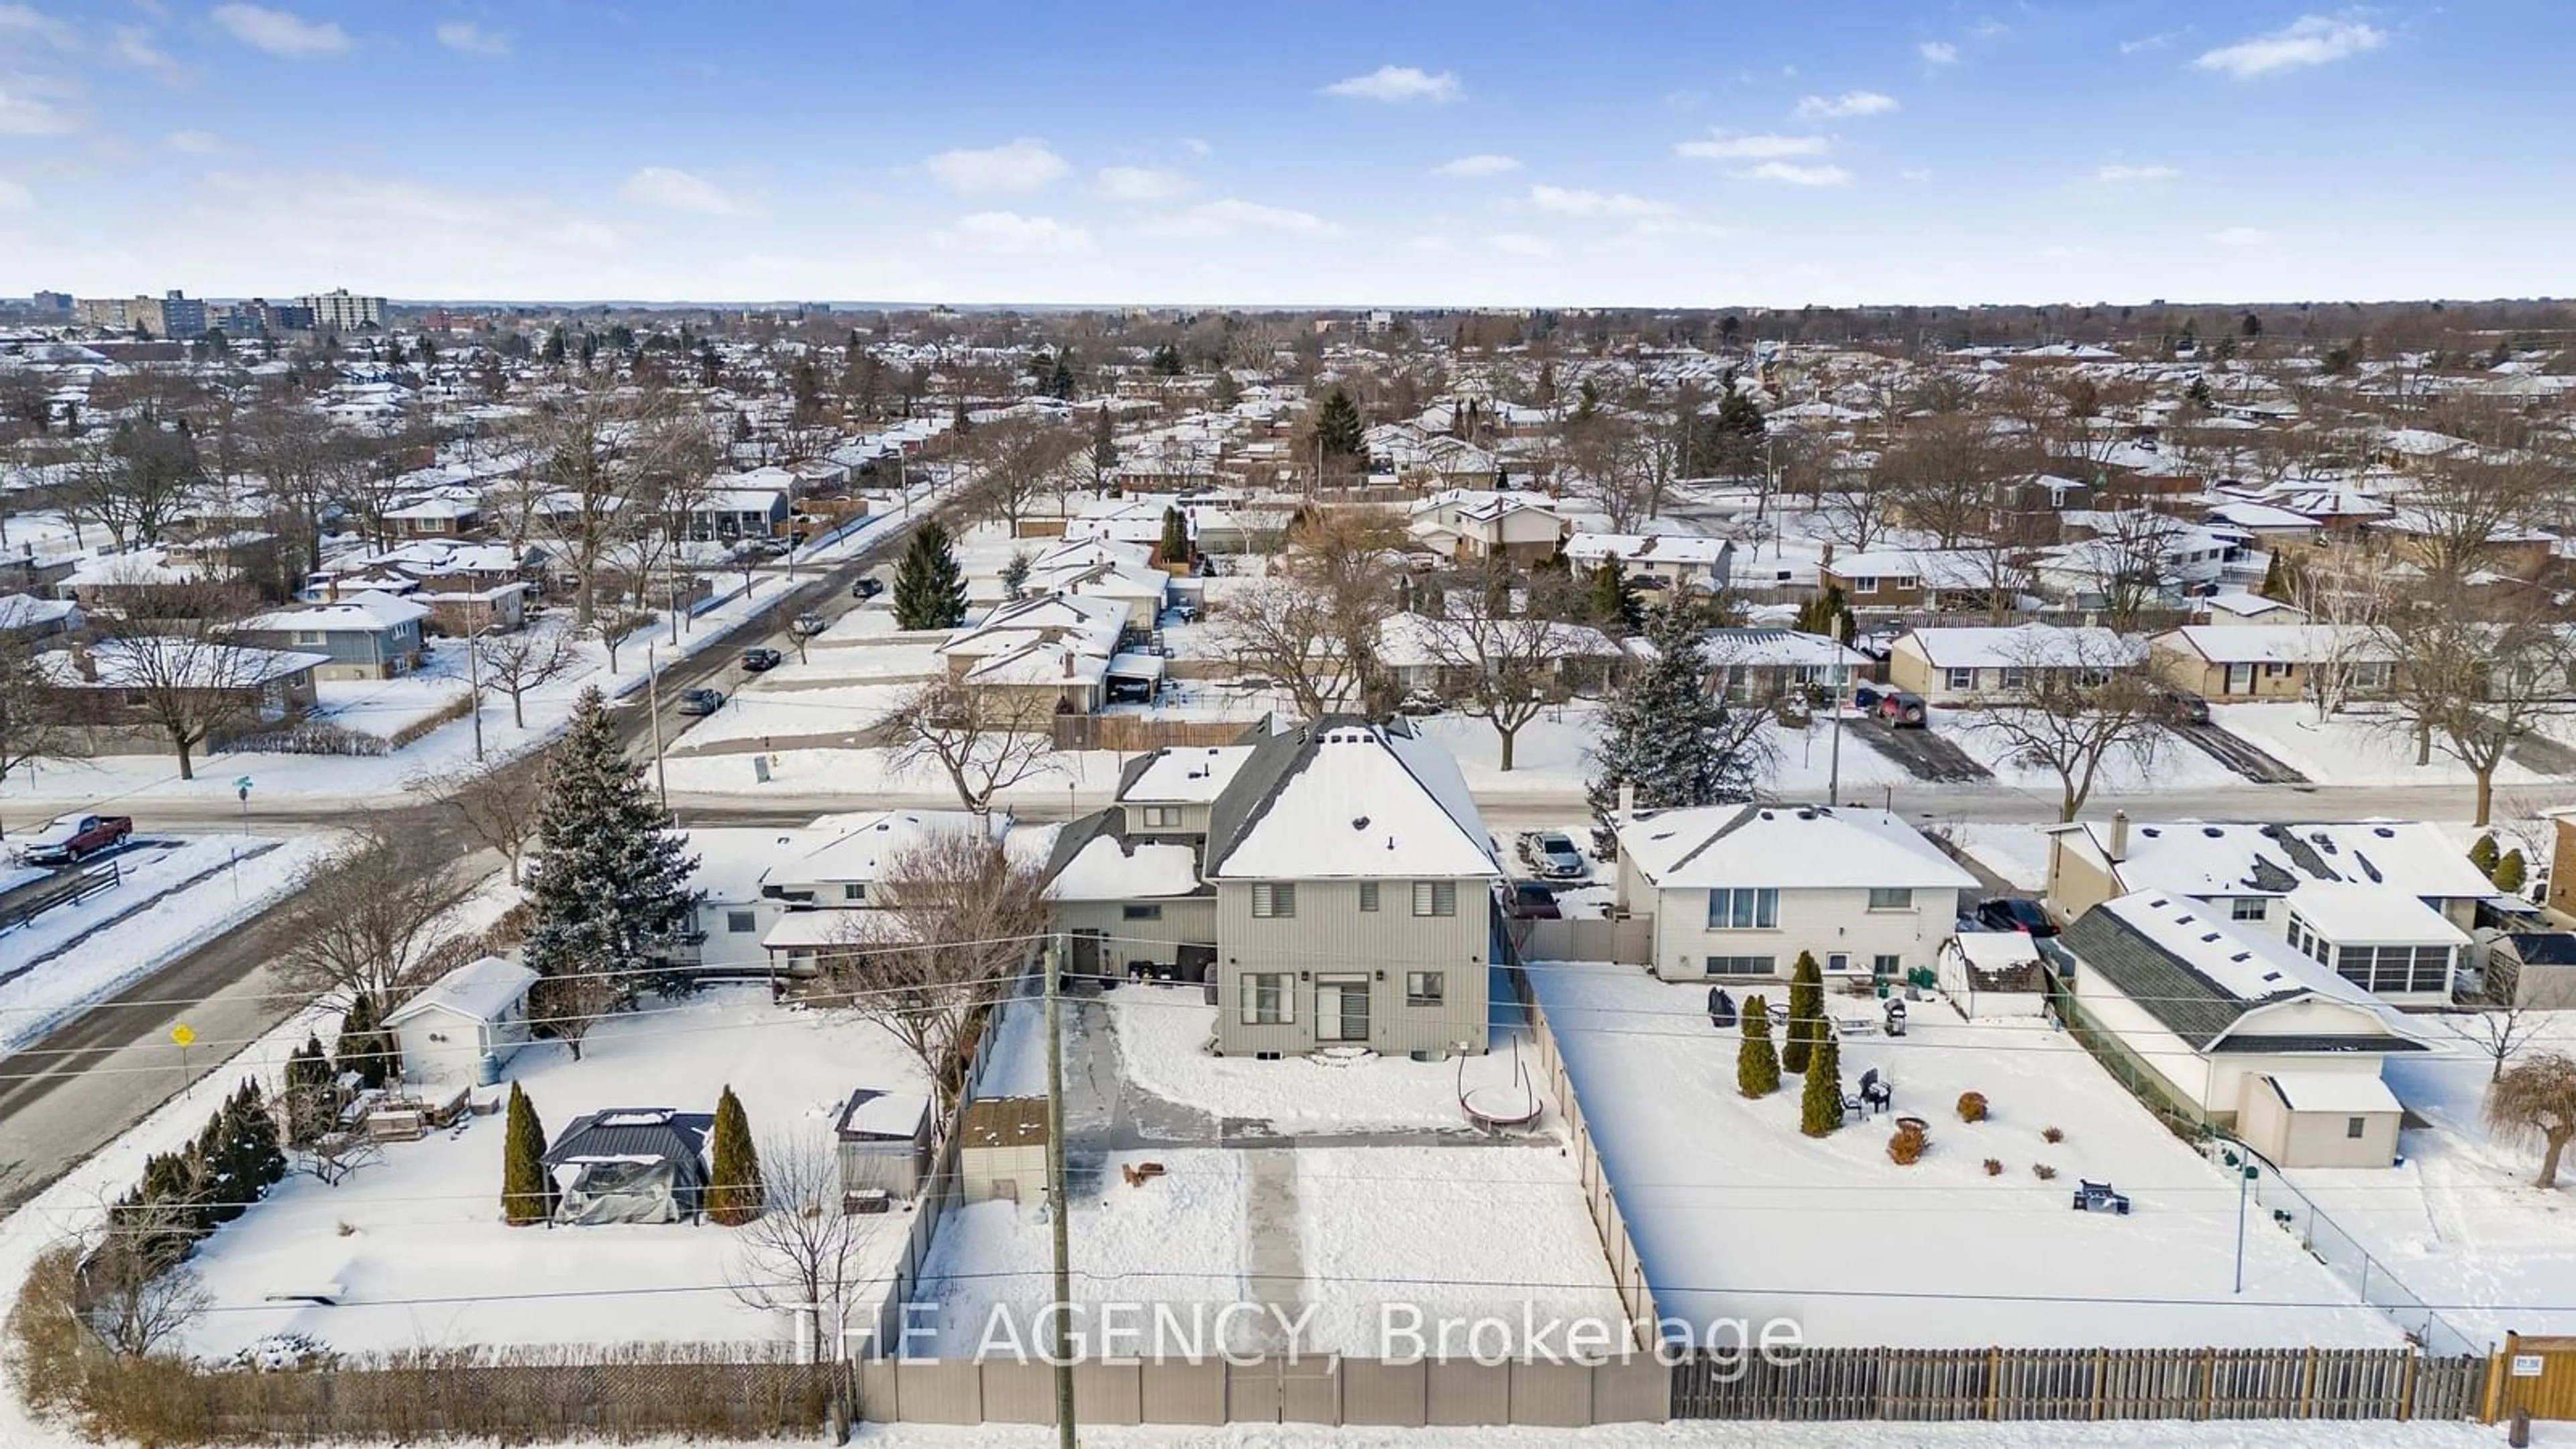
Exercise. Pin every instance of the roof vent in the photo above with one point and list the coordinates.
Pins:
(2149, 831)
(2213, 832)
(2383, 832)
(1360, 824)
(1766, 814)
(1806, 814)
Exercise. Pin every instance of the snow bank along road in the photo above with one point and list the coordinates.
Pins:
(77, 1088)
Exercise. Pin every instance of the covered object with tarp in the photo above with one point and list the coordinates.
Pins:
(630, 1165)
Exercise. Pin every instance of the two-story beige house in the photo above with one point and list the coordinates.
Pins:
(1343, 894)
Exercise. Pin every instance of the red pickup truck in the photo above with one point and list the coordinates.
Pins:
(76, 837)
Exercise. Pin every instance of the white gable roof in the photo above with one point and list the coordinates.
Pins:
(1786, 846)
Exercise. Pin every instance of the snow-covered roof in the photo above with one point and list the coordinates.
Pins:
(1787, 846)
(2342, 1093)
(1753, 648)
(2210, 859)
(156, 662)
(2244, 964)
(2284, 643)
(365, 613)
(480, 990)
(2354, 914)
(1646, 548)
(1188, 774)
(859, 847)
(1342, 798)
(2023, 646)
(892, 1116)
(1103, 871)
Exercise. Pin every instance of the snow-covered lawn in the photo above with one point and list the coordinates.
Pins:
(2352, 748)
(783, 714)
(2018, 853)
(2166, 764)
(1739, 1216)
(417, 1240)
(146, 922)
(1549, 756)
(803, 774)
(2460, 1223)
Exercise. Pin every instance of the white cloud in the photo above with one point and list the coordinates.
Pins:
(1572, 201)
(1195, 146)
(2123, 174)
(1231, 215)
(1521, 244)
(28, 20)
(194, 143)
(1752, 148)
(132, 45)
(14, 197)
(1400, 84)
(1938, 52)
(1022, 165)
(1008, 233)
(675, 190)
(473, 39)
(1484, 164)
(1142, 183)
(1790, 174)
(281, 32)
(1915, 174)
(2157, 41)
(1846, 105)
(2240, 236)
(2310, 40)
(26, 111)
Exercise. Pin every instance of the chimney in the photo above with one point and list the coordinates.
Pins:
(1068, 664)
(1627, 799)
(1829, 551)
(84, 661)
(2119, 836)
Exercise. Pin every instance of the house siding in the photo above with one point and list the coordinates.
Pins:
(1185, 921)
(1826, 922)
(1330, 936)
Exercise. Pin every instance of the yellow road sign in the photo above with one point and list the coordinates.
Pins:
(182, 1034)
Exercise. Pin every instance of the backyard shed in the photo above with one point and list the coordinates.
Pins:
(884, 1142)
(1002, 1149)
(476, 1012)
(630, 1165)
(2321, 1119)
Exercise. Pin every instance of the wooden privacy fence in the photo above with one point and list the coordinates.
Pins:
(1136, 733)
(2061, 1384)
(2535, 1376)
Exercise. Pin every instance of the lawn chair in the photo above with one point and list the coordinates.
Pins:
(1877, 1093)
(2097, 1197)
(1895, 1017)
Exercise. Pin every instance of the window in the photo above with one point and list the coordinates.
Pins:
(1140, 913)
(1435, 898)
(2432, 969)
(2274, 670)
(1423, 988)
(1743, 965)
(1368, 895)
(1837, 963)
(2016, 678)
(1743, 908)
(308, 636)
(1162, 817)
(1891, 898)
(856, 890)
(1267, 999)
(1864, 586)
(2353, 1127)
(2394, 968)
(2246, 908)
(1907, 581)
(741, 922)
(1959, 679)
(1886, 965)
(1274, 898)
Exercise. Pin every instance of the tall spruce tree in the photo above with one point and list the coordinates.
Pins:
(1667, 735)
(1338, 430)
(608, 878)
(733, 1179)
(929, 591)
(364, 1046)
(1175, 545)
(1757, 1067)
(1806, 1013)
(1104, 446)
(526, 1196)
(311, 1103)
(1820, 1105)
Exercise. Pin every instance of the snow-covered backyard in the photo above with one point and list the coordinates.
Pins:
(2353, 748)
(172, 896)
(418, 1245)
(1737, 1215)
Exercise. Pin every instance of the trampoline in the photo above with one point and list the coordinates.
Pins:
(1501, 1106)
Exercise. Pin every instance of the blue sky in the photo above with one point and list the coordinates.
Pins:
(1503, 153)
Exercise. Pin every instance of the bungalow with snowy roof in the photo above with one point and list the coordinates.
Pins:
(448, 513)
(2385, 903)
(2231, 1027)
(1759, 665)
(2234, 664)
(1949, 666)
(1740, 891)
(114, 689)
(1656, 560)
(1441, 656)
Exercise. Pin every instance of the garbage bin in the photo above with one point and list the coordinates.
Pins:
(487, 1070)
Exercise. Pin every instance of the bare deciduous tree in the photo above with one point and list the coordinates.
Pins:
(2535, 1101)
(2072, 701)
(133, 1295)
(801, 1254)
(1941, 476)
(514, 664)
(494, 800)
(1503, 668)
(30, 718)
(2345, 600)
(2474, 672)
(604, 456)
(961, 916)
(362, 919)
(984, 738)
(134, 480)
(1017, 461)
(1286, 631)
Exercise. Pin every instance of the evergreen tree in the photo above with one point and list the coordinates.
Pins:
(1736, 432)
(1225, 392)
(1104, 446)
(1827, 613)
(1167, 361)
(1614, 604)
(258, 1159)
(733, 1179)
(959, 423)
(526, 1196)
(364, 1047)
(310, 1104)
(2511, 871)
(1820, 1106)
(609, 876)
(929, 592)
(1175, 546)
(1338, 430)
(2252, 325)
(1060, 379)
(1663, 732)
(553, 355)
(1015, 575)
(2274, 585)
(2198, 392)
(1587, 401)
(2484, 855)
(1806, 1014)
(1757, 1066)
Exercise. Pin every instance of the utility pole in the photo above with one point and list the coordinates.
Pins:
(1053, 964)
(474, 670)
(653, 712)
(1834, 760)
(2245, 1178)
